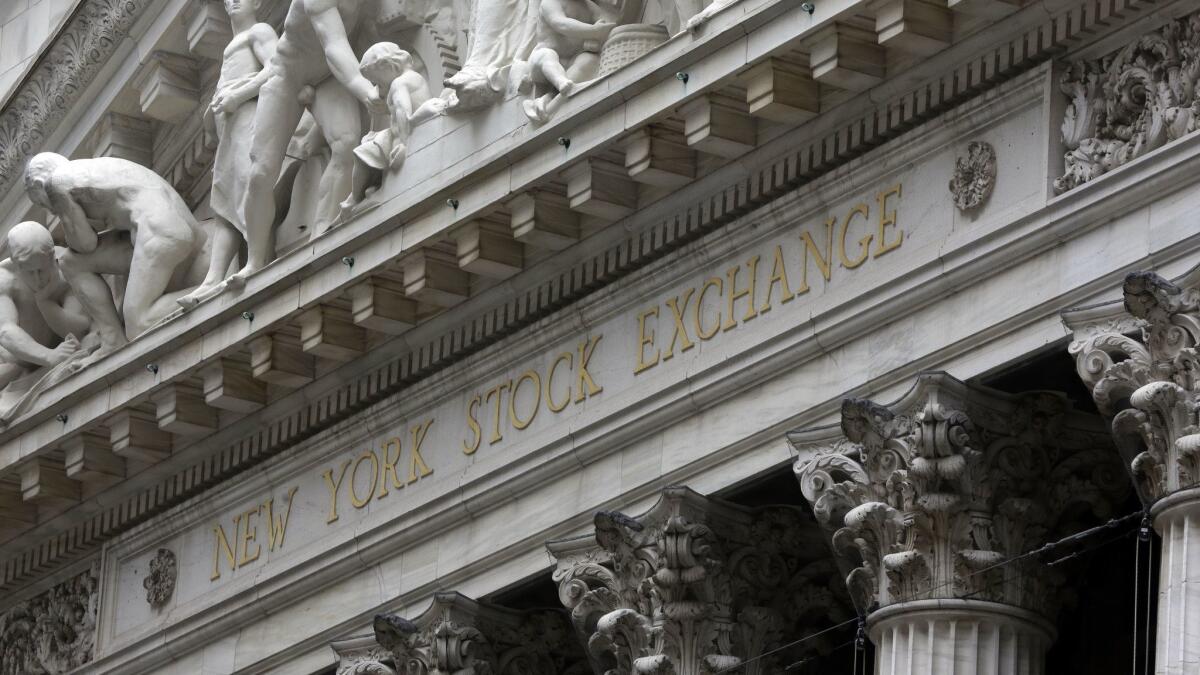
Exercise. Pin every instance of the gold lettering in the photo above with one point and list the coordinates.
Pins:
(864, 244)
(389, 467)
(778, 276)
(642, 364)
(735, 294)
(415, 460)
(354, 500)
(470, 448)
(582, 375)
(222, 545)
(248, 535)
(711, 282)
(333, 489)
(677, 313)
(517, 422)
(276, 527)
(887, 218)
(498, 392)
(569, 357)
(823, 261)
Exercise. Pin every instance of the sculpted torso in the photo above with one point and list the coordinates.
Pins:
(300, 54)
(111, 194)
(565, 44)
(30, 316)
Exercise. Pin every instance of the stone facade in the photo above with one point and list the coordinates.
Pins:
(550, 336)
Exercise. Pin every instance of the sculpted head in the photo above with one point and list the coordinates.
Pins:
(32, 251)
(38, 173)
(384, 62)
(237, 8)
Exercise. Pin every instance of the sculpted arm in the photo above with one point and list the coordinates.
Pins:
(331, 31)
(14, 338)
(78, 231)
(70, 318)
(262, 40)
(553, 14)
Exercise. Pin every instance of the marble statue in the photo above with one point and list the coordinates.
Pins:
(570, 34)
(503, 32)
(120, 218)
(243, 73)
(314, 46)
(41, 319)
(694, 15)
(409, 103)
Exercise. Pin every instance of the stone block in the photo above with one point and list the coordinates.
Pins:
(45, 481)
(718, 125)
(543, 219)
(208, 30)
(168, 87)
(125, 137)
(914, 26)
(658, 155)
(434, 277)
(229, 384)
(847, 57)
(277, 358)
(600, 188)
(487, 248)
(181, 409)
(89, 459)
(379, 304)
(330, 333)
(782, 91)
(134, 434)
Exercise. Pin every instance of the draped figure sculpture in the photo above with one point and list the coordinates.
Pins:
(243, 73)
(503, 32)
(120, 218)
(313, 57)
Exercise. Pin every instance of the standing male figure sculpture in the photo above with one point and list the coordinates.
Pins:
(120, 218)
(41, 319)
(314, 45)
(243, 73)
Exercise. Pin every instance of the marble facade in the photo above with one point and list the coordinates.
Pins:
(349, 336)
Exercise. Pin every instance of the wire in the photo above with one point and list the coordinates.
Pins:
(1137, 579)
(1041, 550)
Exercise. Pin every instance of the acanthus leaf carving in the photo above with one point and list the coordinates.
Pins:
(53, 632)
(696, 585)
(934, 492)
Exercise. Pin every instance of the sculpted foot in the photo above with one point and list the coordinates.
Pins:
(237, 281)
(202, 293)
(101, 352)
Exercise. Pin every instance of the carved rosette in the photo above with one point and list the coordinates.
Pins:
(1148, 384)
(460, 636)
(1130, 102)
(974, 176)
(51, 633)
(932, 492)
(697, 585)
(160, 582)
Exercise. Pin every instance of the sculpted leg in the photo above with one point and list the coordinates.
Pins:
(225, 244)
(82, 272)
(156, 258)
(275, 119)
(337, 113)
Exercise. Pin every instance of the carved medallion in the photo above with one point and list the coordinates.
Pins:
(974, 176)
(160, 582)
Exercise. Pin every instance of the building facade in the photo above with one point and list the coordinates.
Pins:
(524, 337)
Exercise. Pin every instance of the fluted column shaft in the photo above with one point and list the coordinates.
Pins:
(1177, 645)
(958, 637)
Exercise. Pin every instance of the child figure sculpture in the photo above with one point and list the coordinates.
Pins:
(409, 103)
(570, 34)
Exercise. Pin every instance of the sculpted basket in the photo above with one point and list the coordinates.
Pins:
(629, 43)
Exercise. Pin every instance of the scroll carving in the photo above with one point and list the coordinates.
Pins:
(1131, 102)
(697, 585)
(931, 493)
(459, 635)
(52, 633)
(1148, 383)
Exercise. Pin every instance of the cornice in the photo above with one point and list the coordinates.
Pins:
(63, 72)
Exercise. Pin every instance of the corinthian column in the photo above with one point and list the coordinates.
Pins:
(932, 500)
(1148, 385)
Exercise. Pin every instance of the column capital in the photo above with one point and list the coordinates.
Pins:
(459, 635)
(1142, 370)
(361, 655)
(698, 584)
(924, 496)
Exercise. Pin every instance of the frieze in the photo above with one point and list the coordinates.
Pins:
(54, 632)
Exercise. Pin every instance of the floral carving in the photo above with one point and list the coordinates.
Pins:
(78, 53)
(974, 176)
(937, 489)
(459, 636)
(1149, 385)
(52, 633)
(1130, 102)
(160, 582)
(697, 585)
(362, 655)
